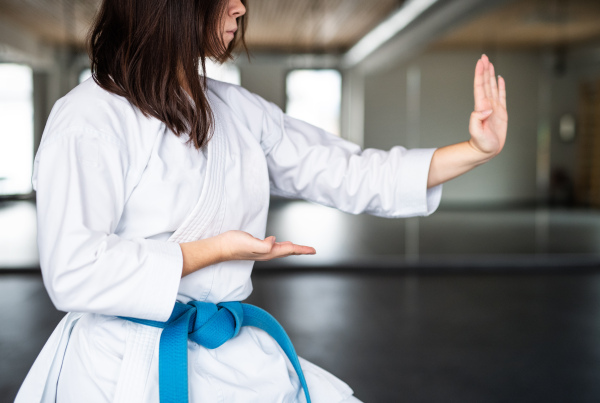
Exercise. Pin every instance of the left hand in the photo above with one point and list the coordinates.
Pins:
(240, 245)
(489, 120)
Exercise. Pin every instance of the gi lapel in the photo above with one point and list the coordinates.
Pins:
(143, 340)
(203, 214)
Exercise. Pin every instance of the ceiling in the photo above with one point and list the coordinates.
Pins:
(530, 24)
(330, 26)
(333, 26)
(53, 21)
(283, 25)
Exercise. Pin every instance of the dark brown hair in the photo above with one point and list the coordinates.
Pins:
(142, 49)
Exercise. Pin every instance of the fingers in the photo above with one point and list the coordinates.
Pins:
(488, 90)
(478, 89)
(502, 91)
(282, 249)
(493, 84)
(269, 249)
(486, 77)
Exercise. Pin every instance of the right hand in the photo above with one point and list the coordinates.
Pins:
(488, 123)
(240, 245)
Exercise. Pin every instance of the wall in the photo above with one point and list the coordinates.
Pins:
(444, 104)
(446, 100)
(265, 78)
(581, 64)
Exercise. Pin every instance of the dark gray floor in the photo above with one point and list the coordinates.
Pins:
(419, 331)
(398, 337)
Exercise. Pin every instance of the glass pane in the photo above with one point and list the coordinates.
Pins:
(84, 75)
(226, 72)
(315, 97)
(16, 129)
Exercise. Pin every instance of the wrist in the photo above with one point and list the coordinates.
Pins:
(202, 253)
(222, 251)
(479, 156)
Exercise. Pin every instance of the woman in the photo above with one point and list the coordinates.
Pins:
(153, 187)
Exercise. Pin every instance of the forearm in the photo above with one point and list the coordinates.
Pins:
(200, 254)
(454, 160)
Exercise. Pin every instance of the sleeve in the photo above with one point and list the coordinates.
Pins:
(80, 181)
(309, 163)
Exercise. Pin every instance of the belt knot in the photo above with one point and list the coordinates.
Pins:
(209, 325)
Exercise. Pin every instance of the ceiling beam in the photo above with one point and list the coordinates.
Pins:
(17, 45)
(429, 21)
(387, 29)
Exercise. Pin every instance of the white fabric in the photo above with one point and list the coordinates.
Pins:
(116, 192)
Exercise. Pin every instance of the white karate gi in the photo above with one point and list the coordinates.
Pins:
(116, 192)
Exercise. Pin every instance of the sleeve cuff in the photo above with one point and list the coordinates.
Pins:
(413, 195)
(162, 281)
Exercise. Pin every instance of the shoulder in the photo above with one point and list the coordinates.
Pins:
(246, 106)
(88, 109)
(93, 128)
(231, 93)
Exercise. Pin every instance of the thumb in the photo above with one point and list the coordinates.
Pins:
(270, 241)
(476, 121)
(263, 245)
(482, 115)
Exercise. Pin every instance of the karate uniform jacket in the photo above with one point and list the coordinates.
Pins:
(117, 191)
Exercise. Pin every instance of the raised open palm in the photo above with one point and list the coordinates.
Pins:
(488, 123)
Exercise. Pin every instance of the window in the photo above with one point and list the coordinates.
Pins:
(315, 97)
(84, 75)
(16, 130)
(226, 72)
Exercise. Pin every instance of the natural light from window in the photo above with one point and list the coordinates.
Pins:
(84, 75)
(16, 129)
(227, 72)
(315, 97)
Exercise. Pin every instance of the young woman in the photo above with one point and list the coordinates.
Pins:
(153, 186)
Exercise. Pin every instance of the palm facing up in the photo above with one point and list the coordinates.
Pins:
(240, 245)
(488, 123)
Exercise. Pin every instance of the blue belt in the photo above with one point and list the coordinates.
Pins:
(210, 326)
